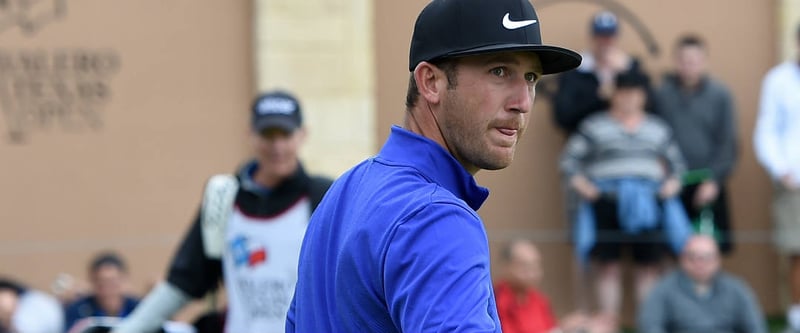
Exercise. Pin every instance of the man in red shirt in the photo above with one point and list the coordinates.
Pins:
(522, 308)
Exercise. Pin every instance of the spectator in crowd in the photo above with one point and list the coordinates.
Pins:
(521, 307)
(108, 275)
(701, 112)
(67, 289)
(616, 163)
(776, 139)
(699, 297)
(248, 231)
(588, 89)
(26, 310)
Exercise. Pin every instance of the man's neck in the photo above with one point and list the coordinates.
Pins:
(111, 307)
(428, 127)
(630, 120)
(689, 83)
(520, 294)
(268, 179)
(702, 289)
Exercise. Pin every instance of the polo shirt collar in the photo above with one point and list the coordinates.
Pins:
(434, 163)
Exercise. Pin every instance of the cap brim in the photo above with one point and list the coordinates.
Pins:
(604, 32)
(285, 123)
(554, 59)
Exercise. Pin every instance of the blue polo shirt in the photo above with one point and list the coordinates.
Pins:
(396, 246)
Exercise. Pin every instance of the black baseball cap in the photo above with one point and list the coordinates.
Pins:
(276, 109)
(631, 79)
(452, 28)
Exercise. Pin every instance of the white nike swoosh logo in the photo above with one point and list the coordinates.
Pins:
(511, 25)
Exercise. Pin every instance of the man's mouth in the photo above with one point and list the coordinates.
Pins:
(508, 131)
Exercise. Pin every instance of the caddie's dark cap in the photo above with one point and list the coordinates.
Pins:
(276, 109)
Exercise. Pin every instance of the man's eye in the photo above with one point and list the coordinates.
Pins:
(499, 71)
(531, 77)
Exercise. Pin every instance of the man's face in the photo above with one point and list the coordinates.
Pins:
(108, 282)
(525, 267)
(700, 259)
(690, 62)
(8, 305)
(277, 151)
(486, 113)
(603, 43)
(628, 99)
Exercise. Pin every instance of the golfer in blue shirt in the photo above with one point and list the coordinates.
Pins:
(396, 244)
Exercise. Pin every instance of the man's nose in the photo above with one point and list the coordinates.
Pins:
(522, 99)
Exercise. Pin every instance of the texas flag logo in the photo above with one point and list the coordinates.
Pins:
(247, 254)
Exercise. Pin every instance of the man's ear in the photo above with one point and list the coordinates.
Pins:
(431, 82)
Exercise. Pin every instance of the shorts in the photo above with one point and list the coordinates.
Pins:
(646, 247)
(786, 219)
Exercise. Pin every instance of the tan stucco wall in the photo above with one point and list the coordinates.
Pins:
(165, 106)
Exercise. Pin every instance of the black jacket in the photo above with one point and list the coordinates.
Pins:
(577, 96)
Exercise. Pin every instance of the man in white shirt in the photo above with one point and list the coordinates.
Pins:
(26, 310)
(777, 145)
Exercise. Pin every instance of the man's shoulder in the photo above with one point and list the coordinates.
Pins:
(669, 84)
(386, 183)
(396, 189)
(380, 171)
(321, 180)
(131, 300)
(783, 71)
(716, 86)
(502, 289)
(426, 202)
(785, 67)
(594, 125)
(672, 276)
(596, 120)
(80, 303)
(670, 286)
(731, 281)
(670, 282)
(319, 184)
(441, 195)
(656, 120)
(431, 197)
